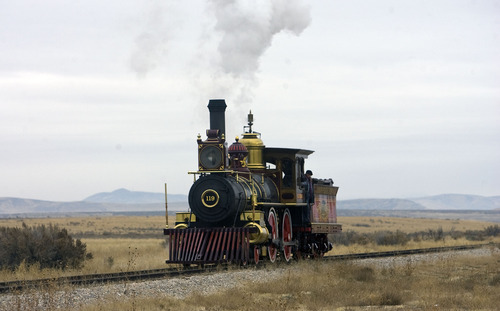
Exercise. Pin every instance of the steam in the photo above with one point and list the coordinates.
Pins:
(149, 50)
(229, 58)
(151, 45)
(248, 28)
(226, 62)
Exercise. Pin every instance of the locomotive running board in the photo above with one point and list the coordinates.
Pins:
(208, 245)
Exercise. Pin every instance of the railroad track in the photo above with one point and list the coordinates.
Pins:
(406, 252)
(91, 279)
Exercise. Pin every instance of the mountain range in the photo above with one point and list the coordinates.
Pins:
(125, 196)
(123, 200)
(437, 202)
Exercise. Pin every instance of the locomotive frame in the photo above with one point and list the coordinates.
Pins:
(248, 203)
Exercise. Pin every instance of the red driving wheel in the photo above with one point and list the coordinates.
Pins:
(256, 254)
(287, 234)
(273, 223)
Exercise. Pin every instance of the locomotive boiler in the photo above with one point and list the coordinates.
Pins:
(249, 202)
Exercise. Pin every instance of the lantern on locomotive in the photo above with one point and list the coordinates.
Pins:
(241, 210)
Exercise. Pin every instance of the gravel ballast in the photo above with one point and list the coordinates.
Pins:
(181, 287)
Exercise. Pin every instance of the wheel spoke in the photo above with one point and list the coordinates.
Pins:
(273, 223)
(256, 254)
(287, 234)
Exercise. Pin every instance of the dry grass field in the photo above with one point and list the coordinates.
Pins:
(460, 283)
(124, 243)
(99, 226)
(141, 226)
(408, 225)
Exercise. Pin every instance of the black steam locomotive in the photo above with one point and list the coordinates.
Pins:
(250, 202)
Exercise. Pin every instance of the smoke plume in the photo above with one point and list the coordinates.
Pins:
(248, 28)
(229, 57)
(151, 45)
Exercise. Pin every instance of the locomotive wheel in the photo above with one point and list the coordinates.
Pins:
(256, 254)
(317, 253)
(287, 235)
(273, 223)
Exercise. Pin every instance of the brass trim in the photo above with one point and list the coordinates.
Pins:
(184, 217)
(204, 172)
(215, 198)
(260, 236)
(250, 216)
(181, 226)
(281, 204)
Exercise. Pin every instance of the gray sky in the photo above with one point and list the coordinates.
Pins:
(397, 98)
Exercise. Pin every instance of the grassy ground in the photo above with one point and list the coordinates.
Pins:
(151, 226)
(461, 283)
(122, 243)
(100, 227)
(408, 225)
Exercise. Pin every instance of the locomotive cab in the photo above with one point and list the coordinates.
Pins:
(290, 164)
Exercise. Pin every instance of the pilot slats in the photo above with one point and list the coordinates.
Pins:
(208, 245)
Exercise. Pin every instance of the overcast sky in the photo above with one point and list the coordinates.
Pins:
(397, 98)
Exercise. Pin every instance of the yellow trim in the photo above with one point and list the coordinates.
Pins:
(204, 172)
(181, 226)
(250, 216)
(246, 181)
(214, 197)
(260, 236)
(184, 217)
(281, 204)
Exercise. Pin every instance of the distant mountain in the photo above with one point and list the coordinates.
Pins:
(459, 202)
(437, 202)
(379, 204)
(125, 196)
(123, 200)
(23, 206)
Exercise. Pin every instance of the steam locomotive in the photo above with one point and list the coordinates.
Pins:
(250, 202)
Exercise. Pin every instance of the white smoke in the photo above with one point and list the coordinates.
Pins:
(151, 45)
(229, 57)
(226, 62)
(248, 28)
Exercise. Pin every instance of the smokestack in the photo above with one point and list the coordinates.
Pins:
(217, 107)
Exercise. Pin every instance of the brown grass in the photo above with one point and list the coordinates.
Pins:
(409, 225)
(109, 255)
(96, 227)
(141, 226)
(121, 243)
(151, 226)
(461, 283)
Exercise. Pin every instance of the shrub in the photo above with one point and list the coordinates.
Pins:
(474, 235)
(364, 274)
(391, 298)
(110, 261)
(49, 246)
(436, 235)
(495, 280)
(391, 238)
(400, 238)
(492, 230)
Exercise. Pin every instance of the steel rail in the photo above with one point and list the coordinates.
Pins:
(406, 252)
(92, 279)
